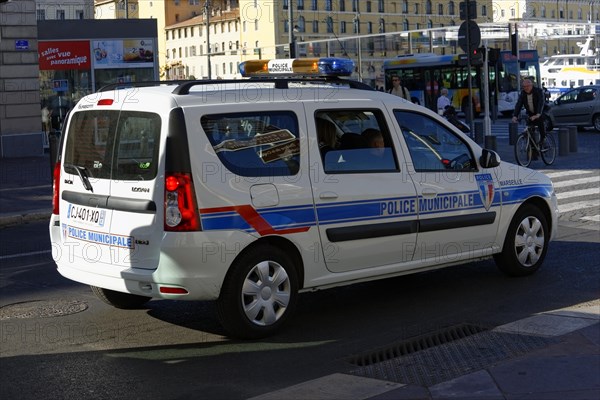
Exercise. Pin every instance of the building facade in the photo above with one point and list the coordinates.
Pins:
(20, 112)
(64, 9)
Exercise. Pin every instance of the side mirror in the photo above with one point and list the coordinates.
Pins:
(489, 159)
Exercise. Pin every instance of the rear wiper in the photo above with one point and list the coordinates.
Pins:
(83, 174)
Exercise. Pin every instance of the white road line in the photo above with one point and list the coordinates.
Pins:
(32, 253)
(580, 205)
(595, 218)
(577, 193)
(580, 181)
(558, 174)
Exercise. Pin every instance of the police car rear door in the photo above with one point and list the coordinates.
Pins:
(86, 183)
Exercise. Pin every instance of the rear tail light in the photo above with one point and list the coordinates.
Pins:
(56, 189)
(181, 209)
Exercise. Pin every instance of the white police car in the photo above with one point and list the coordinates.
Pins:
(248, 192)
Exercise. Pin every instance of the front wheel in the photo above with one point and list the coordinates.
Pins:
(523, 151)
(526, 243)
(548, 149)
(119, 299)
(259, 294)
(597, 122)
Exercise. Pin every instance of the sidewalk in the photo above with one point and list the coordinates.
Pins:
(567, 367)
(25, 190)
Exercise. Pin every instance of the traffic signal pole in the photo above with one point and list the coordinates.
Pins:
(469, 78)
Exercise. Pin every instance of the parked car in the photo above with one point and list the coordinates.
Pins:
(248, 192)
(578, 107)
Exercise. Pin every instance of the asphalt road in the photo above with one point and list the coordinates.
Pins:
(58, 341)
(67, 344)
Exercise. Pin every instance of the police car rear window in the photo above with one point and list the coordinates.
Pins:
(113, 144)
(255, 144)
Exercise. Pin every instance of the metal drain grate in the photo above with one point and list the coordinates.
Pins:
(416, 344)
(452, 359)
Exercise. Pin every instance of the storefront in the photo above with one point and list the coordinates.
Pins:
(88, 54)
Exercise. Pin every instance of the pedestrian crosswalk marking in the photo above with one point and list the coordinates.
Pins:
(558, 174)
(580, 205)
(580, 181)
(595, 218)
(578, 193)
(566, 181)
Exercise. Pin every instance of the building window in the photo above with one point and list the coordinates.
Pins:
(405, 6)
(381, 25)
(329, 25)
(300, 4)
(41, 15)
(315, 25)
(60, 14)
(483, 10)
(79, 14)
(328, 6)
(543, 12)
(512, 12)
(314, 5)
(355, 6)
(405, 25)
(502, 13)
(256, 24)
(342, 27)
(429, 24)
(301, 24)
(451, 8)
(369, 27)
(368, 6)
(417, 8)
(381, 6)
(342, 5)
(440, 9)
(428, 7)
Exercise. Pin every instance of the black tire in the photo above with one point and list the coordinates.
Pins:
(526, 243)
(548, 150)
(523, 152)
(548, 124)
(120, 300)
(259, 293)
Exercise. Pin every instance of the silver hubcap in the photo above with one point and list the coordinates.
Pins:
(266, 293)
(529, 241)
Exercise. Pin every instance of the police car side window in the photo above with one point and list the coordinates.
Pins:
(354, 141)
(255, 143)
(432, 146)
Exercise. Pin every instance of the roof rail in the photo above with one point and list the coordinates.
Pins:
(127, 85)
(280, 83)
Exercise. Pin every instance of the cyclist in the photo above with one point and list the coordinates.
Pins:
(533, 99)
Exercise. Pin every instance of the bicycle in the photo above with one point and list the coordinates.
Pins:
(526, 145)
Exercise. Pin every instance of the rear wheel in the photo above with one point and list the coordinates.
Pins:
(259, 294)
(523, 151)
(119, 299)
(526, 243)
(548, 149)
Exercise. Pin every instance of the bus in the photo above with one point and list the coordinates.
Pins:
(426, 74)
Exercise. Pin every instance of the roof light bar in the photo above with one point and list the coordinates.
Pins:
(298, 66)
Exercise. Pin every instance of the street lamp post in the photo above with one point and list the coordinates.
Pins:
(359, 52)
(291, 38)
(207, 12)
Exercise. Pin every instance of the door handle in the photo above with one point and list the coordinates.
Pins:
(328, 195)
(429, 192)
